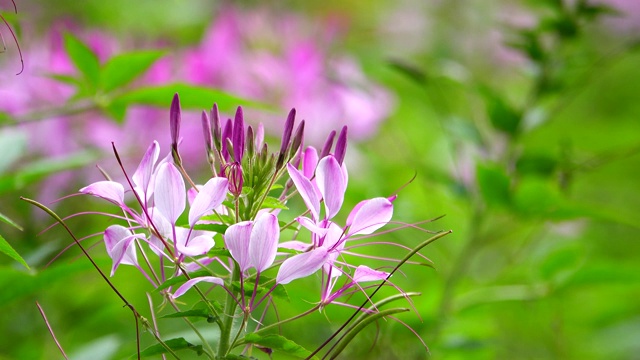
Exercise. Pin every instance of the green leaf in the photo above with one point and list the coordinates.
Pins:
(38, 170)
(122, 69)
(174, 344)
(536, 164)
(197, 313)
(5, 219)
(191, 97)
(536, 197)
(219, 252)
(273, 203)
(8, 250)
(217, 228)
(494, 184)
(84, 59)
(502, 116)
(279, 343)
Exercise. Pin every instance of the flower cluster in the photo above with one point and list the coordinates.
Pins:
(243, 203)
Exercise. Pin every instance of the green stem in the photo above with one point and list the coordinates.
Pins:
(229, 311)
(209, 351)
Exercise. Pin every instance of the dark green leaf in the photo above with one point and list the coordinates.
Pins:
(494, 184)
(409, 70)
(193, 313)
(278, 342)
(84, 59)
(536, 164)
(219, 252)
(8, 250)
(173, 344)
(122, 69)
(502, 116)
(191, 97)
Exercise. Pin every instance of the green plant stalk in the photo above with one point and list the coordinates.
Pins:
(229, 311)
(210, 353)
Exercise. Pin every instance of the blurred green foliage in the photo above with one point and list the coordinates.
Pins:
(533, 157)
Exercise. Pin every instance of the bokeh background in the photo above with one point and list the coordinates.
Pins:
(519, 119)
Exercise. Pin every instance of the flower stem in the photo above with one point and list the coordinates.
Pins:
(229, 311)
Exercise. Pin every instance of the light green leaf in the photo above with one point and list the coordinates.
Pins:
(174, 344)
(191, 97)
(278, 342)
(84, 59)
(122, 69)
(5, 219)
(494, 184)
(7, 249)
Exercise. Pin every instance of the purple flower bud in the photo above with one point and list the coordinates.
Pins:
(215, 124)
(298, 138)
(326, 149)
(288, 129)
(341, 145)
(174, 119)
(238, 135)
(233, 172)
(226, 135)
(206, 130)
(250, 141)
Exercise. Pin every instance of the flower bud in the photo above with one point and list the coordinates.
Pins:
(326, 149)
(341, 145)
(233, 173)
(238, 135)
(174, 125)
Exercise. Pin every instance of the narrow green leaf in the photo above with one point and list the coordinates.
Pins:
(273, 203)
(501, 114)
(173, 344)
(278, 342)
(217, 228)
(195, 313)
(5, 219)
(219, 252)
(84, 59)
(8, 250)
(122, 69)
(494, 184)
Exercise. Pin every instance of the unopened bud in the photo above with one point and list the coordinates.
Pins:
(238, 135)
(215, 126)
(326, 149)
(174, 126)
(288, 129)
(341, 145)
(233, 173)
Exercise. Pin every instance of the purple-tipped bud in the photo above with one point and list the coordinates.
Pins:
(174, 125)
(250, 141)
(341, 145)
(298, 138)
(215, 125)
(288, 129)
(174, 120)
(238, 135)
(206, 130)
(326, 149)
(226, 135)
(233, 173)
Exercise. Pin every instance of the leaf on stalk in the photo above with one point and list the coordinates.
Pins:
(6, 219)
(84, 59)
(279, 343)
(124, 68)
(219, 252)
(217, 228)
(494, 184)
(273, 203)
(191, 97)
(193, 313)
(501, 114)
(174, 344)
(9, 251)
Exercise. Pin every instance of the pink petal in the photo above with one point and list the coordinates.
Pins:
(332, 185)
(211, 195)
(306, 190)
(236, 239)
(309, 162)
(311, 226)
(364, 273)
(198, 245)
(295, 245)
(170, 193)
(142, 177)
(264, 242)
(108, 190)
(189, 284)
(369, 215)
(118, 240)
(301, 265)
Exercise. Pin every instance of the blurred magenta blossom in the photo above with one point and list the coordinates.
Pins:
(292, 64)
